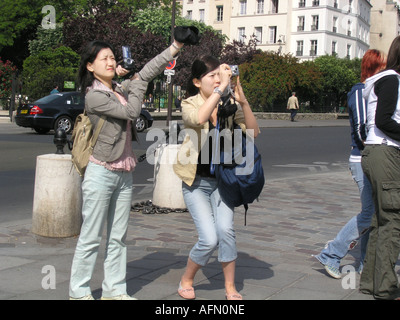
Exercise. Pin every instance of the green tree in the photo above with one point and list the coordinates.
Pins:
(47, 68)
(158, 22)
(267, 78)
(339, 75)
(46, 39)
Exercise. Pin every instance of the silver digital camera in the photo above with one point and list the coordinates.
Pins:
(235, 70)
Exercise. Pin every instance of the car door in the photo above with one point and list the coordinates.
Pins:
(75, 104)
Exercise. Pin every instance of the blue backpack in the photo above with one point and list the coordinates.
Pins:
(239, 183)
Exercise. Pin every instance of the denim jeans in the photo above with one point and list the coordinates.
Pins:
(213, 220)
(107, 197)
(357, 228)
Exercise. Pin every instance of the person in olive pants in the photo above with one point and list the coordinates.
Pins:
(378, 276)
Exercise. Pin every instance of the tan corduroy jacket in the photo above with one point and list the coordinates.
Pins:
(196, 135)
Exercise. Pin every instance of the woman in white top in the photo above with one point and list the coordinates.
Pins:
(381, 164)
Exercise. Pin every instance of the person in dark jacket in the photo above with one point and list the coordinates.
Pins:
(357, 229)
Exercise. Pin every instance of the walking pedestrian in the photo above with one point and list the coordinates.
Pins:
(107, 185)
(293, 106)
(357, 228)
(381, 164)
(212, 217)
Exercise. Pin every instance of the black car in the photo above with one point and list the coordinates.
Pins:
(59, 110)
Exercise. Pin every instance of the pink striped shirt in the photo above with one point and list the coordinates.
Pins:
(127, 161)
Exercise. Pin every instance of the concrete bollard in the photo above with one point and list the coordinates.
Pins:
(57, 202)
(167, 192)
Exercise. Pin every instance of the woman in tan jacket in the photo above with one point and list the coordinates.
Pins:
(212, 217)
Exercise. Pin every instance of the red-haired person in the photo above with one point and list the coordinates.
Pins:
(357, 229)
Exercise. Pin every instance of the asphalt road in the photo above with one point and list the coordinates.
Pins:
(285, 152)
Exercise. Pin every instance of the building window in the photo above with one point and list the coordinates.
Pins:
(274, 6)
(302, 3)
(220, 13)
(272, 34)
(315, 23)
(241, 34)
(258, 34)
(260, 6)
(314, 47)
(348, 56)
(300, 26)
(334, 29)
(315, 3)
(202, 15)
(333, 48)
(243, 6)
(189, 15)
(299, 49)
(350, 4)
(349, 28)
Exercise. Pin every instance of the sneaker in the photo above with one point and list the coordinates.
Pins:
(88, 297)
(333, 272)
(120, 297)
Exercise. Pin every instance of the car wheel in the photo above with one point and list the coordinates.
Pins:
(141, 124)
(41, 130)
(65, 123)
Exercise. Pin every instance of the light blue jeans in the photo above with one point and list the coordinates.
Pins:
(357, 229)
(213, 220)
(107, 197)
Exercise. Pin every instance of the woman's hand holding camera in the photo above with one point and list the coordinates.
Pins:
(225, 74)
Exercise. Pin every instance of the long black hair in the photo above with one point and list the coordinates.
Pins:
(85, 77)
(200, 67)
(393, 58)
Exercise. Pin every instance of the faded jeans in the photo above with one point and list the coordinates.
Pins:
(356, 229)
(213, 220)
(107, 197)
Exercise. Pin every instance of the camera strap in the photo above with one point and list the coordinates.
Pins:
(226, 109)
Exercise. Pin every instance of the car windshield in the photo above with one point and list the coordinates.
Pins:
(49, 99)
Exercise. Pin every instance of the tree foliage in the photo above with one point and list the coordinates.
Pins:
(48, 68)
(339, 75)
(46, 39)
(113, 27)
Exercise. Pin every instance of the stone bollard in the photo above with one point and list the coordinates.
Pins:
(57, 202)
(167, 192)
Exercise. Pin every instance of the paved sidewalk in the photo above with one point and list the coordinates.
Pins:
(294, 219)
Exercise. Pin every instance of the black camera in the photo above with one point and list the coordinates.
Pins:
(128, 62)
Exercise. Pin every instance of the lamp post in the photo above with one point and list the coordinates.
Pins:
(171, 84)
